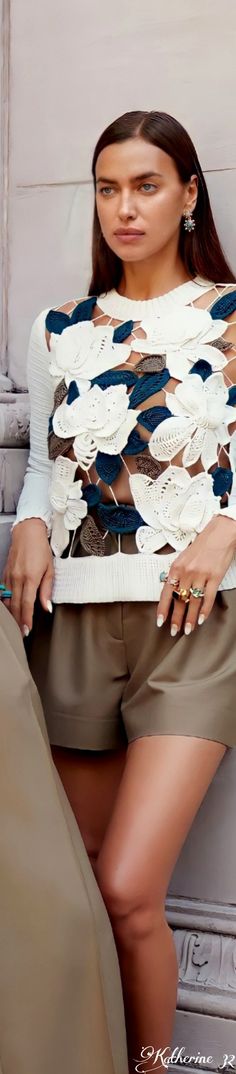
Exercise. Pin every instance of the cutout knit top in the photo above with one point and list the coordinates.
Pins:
(133, 431)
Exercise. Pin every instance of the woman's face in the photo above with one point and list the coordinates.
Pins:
(140, 198)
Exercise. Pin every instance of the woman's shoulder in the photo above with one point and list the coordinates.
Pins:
(219, 299)
(223, 307)
(223, 301)
(40, 334)
(220, 291)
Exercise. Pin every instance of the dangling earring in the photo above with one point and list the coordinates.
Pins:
(189, 222)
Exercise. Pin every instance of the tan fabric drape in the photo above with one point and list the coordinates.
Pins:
(61, 1005)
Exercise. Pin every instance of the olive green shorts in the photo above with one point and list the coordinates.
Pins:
(107, 675)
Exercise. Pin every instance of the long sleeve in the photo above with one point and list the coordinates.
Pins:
(34, 500)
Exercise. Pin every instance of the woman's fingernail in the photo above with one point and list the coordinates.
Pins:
(173, 630)
(26, 631)
(187, 628)
(49, 605)
(160, 620)
(201, 620)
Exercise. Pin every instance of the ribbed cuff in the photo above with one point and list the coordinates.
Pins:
(41, 518)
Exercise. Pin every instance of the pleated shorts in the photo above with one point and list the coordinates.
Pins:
(107, 675)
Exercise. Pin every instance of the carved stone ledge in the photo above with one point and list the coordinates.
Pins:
(5, 536)
(6, 385)
(207, 972)
(13, 463)
(14, 419)
(206, 1036)
(201, 914)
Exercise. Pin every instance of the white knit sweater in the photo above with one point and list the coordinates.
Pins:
(170, 505)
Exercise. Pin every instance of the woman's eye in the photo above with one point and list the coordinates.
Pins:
(148, 186)
(106, 190)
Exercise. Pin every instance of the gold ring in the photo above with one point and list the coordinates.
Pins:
(181, 594)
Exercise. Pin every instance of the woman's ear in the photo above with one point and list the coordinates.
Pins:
(191, 194)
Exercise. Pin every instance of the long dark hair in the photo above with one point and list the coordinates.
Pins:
(201, 251)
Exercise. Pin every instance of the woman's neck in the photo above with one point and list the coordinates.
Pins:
(151, 278)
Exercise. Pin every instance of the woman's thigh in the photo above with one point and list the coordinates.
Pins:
(91, 780)
(164, 781)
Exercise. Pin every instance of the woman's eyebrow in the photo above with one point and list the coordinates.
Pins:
(145, 175)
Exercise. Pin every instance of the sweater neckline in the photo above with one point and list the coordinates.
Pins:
(119, 306)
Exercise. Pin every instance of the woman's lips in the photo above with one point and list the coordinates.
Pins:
(129, 236)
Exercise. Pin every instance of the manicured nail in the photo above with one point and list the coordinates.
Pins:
(26, 631)
(6, 595)
(160, 620)
(201, 620)
(49, 605)
(187, 628)
(173, 630)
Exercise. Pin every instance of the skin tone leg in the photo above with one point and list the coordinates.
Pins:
(91, 780)
(141, 805)
(164, 782)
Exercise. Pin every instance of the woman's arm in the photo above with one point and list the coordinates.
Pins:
(34, 500)
(30, 564)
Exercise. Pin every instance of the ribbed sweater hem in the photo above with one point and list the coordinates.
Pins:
(118, 577)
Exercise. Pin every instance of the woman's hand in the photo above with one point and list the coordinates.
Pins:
(29, 567)
(202, 566)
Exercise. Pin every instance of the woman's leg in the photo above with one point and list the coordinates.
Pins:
(163, 784)
(91, 780)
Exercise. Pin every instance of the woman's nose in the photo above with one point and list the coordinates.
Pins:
(127, 207)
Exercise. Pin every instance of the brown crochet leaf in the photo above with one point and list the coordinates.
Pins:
(222, 344)
(147, 465)
(60, 394)
(57, 446)
(91, 538)
(151, 363)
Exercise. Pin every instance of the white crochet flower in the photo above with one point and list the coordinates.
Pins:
(175, 506)
(66, 498)
(99, 421)
(180, 362)
(82, 352)
(181, 327)
(185, 337)
(200, 421)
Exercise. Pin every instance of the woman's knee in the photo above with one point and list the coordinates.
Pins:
(135, 908)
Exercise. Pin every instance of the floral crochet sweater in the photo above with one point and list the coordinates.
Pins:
(132, 432)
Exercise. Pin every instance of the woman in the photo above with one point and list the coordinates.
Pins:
(139, 381)
(60, 992)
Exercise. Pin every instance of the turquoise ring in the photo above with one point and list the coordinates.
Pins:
(171, 581)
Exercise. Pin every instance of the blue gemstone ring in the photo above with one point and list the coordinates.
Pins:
(171, 581)
(5, 594)
(163, 576)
